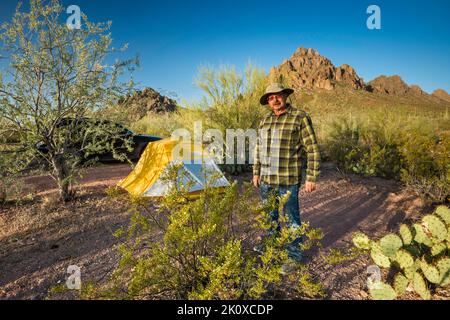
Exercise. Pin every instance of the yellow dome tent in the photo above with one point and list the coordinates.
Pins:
(196, 167)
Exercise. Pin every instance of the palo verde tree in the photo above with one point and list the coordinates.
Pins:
(56, 76)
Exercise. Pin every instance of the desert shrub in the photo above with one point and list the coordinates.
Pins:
(412, 153)
(198, 249)
(419, 256)
(426, 168)
(163, 125)
(11, 184)
(231, 101)
(368, 151)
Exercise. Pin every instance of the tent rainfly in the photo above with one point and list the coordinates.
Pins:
(145, 180)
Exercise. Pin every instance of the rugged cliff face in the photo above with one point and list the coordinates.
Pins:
(307, 69)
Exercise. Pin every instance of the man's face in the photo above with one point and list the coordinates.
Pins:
(277, 102)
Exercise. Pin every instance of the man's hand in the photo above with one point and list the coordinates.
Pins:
(256, 181)
(310, 186)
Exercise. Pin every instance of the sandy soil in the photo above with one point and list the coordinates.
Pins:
(40, 238)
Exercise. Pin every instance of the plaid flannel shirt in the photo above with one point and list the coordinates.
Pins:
(282, 138)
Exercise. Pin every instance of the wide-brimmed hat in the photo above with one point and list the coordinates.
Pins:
(273, 89)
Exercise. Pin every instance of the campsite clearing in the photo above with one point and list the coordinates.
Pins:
(40, 238)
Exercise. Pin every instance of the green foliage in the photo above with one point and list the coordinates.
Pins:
(421, 260)
(232, 102)
(360, 240)
(362, 149)
(382, 291)
(444, 213)
(420, 286)
(400, 284)
(406, 234)
(375, 146)
(426, 164)
(378, 257)
(52, 73)
(390, 244)
(194, 248)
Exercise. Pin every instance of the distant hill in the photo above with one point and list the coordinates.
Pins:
(309, 72)
(140, 103)
(441, 94)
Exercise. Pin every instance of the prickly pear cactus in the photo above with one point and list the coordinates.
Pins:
(390, 244)
(382, 291)
(421, 237)
(420, 286)
(444, 213)
(409, 273)
(430, 272)
(400, 284)
(439, 248)
(404, 259)
(420, 256)
(361, 241)
(378, 257)
(435, 226)
(406, 234)
(443, 266)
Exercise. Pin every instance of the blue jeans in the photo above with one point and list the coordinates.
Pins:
(291, 210)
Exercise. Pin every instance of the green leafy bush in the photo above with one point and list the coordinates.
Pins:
(426, 166)
(364, 150)
(418, 158)
(201, 249)
(231, 101)
(419, 255)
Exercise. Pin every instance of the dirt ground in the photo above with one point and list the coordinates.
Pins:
(40, 238)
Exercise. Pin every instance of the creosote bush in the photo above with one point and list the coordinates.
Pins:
(201, 248)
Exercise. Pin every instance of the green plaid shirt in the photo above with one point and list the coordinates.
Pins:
(283, 138)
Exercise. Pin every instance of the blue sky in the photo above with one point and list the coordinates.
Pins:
(174, 38)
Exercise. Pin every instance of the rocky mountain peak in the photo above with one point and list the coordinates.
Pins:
(145, 101)
(308, 69)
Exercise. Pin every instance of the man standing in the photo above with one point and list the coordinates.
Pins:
(285, 131)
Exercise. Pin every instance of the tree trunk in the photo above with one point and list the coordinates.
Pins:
(63, 177)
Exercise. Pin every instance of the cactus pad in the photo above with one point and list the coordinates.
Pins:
(435, 226)
(421, 236)
(438, 248)
(378, 257)
(430, 272)
(361, 241)
(443, 266)
(390, 244)
(406, 234)
(404, 259)
(409, 272)
(382, 291)
(420, 286)
(444, 213)
(400, 284)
